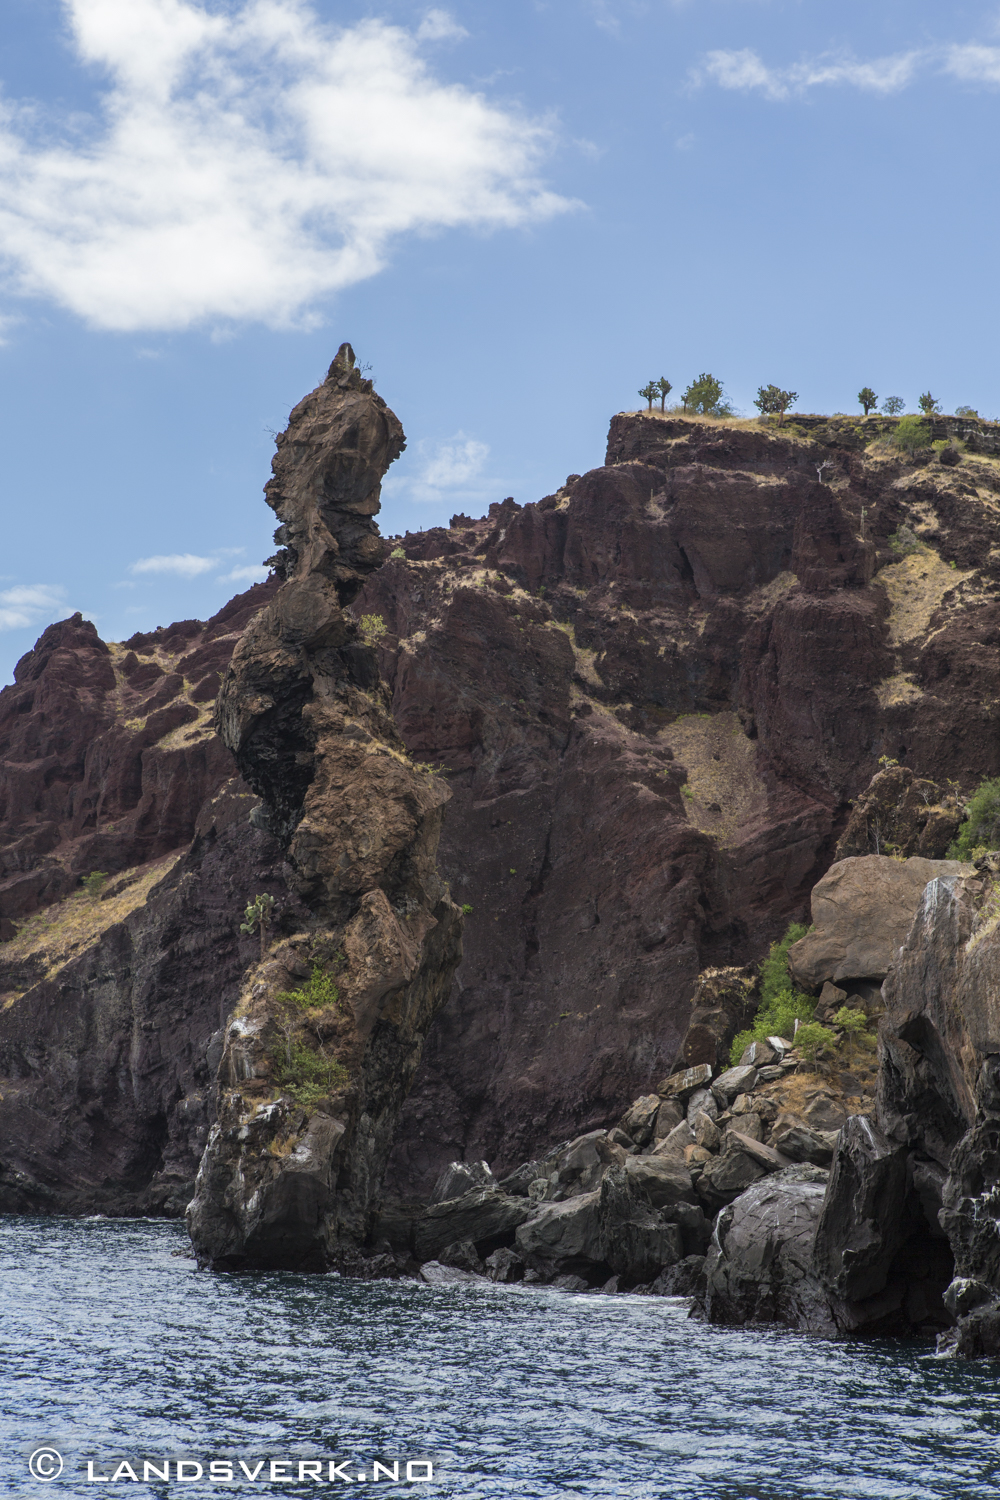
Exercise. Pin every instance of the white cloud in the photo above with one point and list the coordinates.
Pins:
(244, 575)
(973, 63)
(439, 26)
(181, 564)
(250, 161)
(746, 71)
(31, 604)
(454, 466)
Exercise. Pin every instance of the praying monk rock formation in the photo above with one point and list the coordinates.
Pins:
(330, 1027)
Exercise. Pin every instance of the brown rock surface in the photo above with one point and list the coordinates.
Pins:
(862, 910)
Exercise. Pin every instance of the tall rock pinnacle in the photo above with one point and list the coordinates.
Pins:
(310, 1090)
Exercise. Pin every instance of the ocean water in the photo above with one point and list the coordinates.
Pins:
(115, 1352)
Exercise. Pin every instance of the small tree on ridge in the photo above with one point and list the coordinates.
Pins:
(664, 387)
(929, 405)
(649, 390)
(772, 400)
(893, 405)
(867, 398)
(703, 395)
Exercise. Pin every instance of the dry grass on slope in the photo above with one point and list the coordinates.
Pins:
(63, 931)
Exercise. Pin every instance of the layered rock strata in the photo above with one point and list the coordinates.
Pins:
(312, 1079)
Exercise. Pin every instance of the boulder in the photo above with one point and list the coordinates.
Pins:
(759, 1055)
(486, 1217)
(862, 910)
(639, 1119)
(734, 1081)
(681, 1086)
(435, 1274)
(463, 1255)
(505, 1265)
(569, 1231)
(669, 1114)
(663, 1179)
(685, 1279)
(799, 1143)
(516, 1183)
(748, 1124)
(764, 1156)
(676, 1142)
(863, 1223)
(759, 1265)
(460, 1177)
(726, 1177)
(637, 1242)
(706, 1132)
(702, 1102)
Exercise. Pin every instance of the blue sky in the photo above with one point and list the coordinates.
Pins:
(518, 213)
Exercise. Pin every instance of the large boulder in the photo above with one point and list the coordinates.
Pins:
(759, 1266)
(485, 1217)
(863, 1222)
(569, 1231)
(862, 910)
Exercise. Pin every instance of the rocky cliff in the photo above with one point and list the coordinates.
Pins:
(654, 695)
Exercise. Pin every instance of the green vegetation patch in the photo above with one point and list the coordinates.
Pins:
(781, 1005)
(317, 993)
(307, 1075)
(981, 830)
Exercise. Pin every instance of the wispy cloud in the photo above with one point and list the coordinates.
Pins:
(244, 575)
(250, 160)
(180, 564)
(31, 604)
(439, 26)
(746, 71)
(452, 469)
(973, 63)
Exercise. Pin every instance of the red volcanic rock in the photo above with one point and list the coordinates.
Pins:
(96, 769)
(699, 612)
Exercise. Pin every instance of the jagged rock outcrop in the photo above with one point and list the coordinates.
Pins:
(310, 1089)
(901, 813)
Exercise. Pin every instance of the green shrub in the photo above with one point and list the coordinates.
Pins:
(903, 541)
(781, 1005)
(853, 1022)
(911, 434)
(317, 993)
(94, 883)
(372, 628)
(981, 829)
(397, 554)
(306, 1075)
(812, 1038)
(705, 395)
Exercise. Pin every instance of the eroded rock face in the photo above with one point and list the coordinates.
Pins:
(306, 716)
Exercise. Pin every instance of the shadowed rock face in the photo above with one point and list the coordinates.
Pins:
(290, 1179)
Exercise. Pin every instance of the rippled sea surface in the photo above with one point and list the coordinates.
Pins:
(115, 1350)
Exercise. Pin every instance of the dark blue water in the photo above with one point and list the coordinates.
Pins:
(114, 1350)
